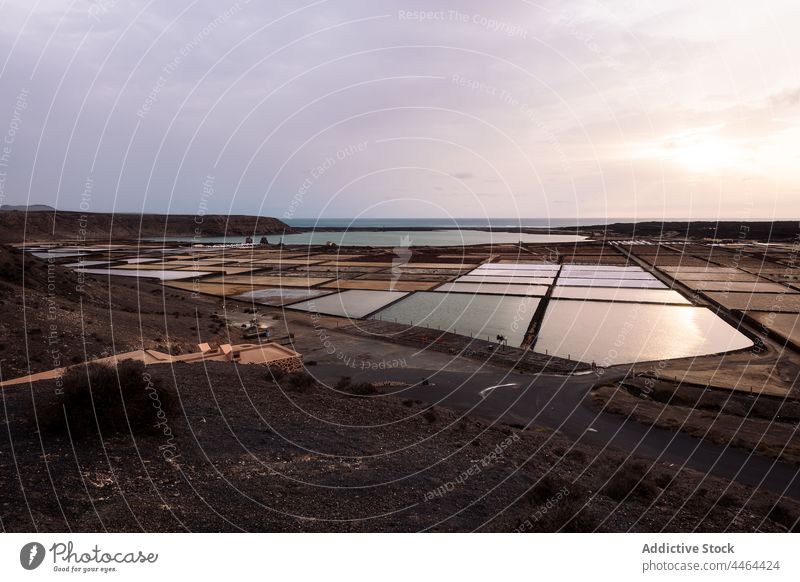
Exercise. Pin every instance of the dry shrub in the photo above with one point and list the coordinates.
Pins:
(555, 505)
(631, 481)
(299, 382)
(113, 400)
(346, 385)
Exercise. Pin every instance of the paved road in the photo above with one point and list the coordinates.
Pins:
(560, 403)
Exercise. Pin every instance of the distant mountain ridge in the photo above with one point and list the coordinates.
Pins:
(717, 229)
(27, 208)
(20, 226)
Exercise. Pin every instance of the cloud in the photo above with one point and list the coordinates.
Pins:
(789, 98)
(613, 106)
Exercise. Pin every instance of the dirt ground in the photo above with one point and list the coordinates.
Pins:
(769, 371)
(247, 453)
(80, 318)
(772, 437)
(256, 454)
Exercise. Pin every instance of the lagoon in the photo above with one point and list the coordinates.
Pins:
(394, 238)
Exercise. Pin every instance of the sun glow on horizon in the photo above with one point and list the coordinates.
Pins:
(699, 150)
(704, 155)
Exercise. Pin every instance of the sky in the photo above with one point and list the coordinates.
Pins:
(341, 109)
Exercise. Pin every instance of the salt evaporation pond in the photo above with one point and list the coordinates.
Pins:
(354, 303)
(585, 268)
(518, 267)
(626, 275)
(510, 274)
(633, 283)
(482, 316)
(493, 289)
(620, 294)
(279, 296)
(146, 274)
(58, 254)
(512, 280)
(529, 272)
(87, 264)
(609, 333)
(140, 260)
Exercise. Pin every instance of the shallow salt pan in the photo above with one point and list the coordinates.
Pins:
(140, 260)
(482, 316)
(620, 294)
(150, 274)
(494, 289)
(511, 273)
(87, 263)
(513, 280)
(609, 333)
(627, 275)
(706, 269)
(634, 283)
(742, 286)
(281, 296)
(353, 303)
(621, 268)
(58, 254)
(518, 267)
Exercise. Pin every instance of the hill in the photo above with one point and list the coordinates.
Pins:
(50, 315)
(28, 208)
(19, 226)
(780, 230)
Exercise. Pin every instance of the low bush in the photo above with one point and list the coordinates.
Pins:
(728, 500)
(570, 516)
(346, 385)
(630, 481)
(553, 507)
(275, 373)
(576, 455)
(299, 382)
(664, 480)
(786, 516)
(113, 400)
(362, 389)
(430, 416)
(547, 488)
(343, 383)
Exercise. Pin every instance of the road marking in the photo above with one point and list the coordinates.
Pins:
(486, 391)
